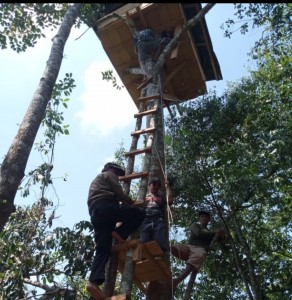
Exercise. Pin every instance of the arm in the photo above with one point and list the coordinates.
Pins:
(200, 232)
(116, 187)
(207, 235)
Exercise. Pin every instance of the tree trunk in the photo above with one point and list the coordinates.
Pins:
(154, 162)
(13, 167)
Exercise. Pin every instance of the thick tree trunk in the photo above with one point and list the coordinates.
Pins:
(13, 167)
(158, 290)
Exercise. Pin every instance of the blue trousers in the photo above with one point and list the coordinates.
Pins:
(154, 230)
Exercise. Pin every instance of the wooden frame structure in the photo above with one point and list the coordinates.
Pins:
(189, 66)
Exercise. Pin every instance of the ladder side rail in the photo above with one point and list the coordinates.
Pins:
(134, 144)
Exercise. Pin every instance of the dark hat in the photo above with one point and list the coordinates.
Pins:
(155, 180)
(204, 212)
(121, 171)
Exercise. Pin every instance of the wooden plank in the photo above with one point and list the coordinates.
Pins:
(142, 17)
(169, 97)
(174, 52)
(146, 112)
(133, 176)
(137, 256)
(143, 131)
(149, 250)
(144, 83)
(138, 151)
(118, 297)
(126, 245)
(153, 269)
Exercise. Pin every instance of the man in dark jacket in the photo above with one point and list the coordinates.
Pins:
(109, 205)
(195, 251)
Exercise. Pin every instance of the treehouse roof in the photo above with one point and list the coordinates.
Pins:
(188, 67)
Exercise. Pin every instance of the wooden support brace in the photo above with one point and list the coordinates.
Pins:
(125, 245)
(142, 17)
(144, 82)
(174, 52)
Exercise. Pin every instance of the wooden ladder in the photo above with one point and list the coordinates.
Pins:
(149, 106)
(147, 150)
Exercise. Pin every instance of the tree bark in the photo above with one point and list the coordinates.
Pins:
(14, 164)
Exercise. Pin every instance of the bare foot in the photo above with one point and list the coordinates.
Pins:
(94, 291)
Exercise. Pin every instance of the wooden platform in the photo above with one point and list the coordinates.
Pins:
(149, 266)
(186, 71)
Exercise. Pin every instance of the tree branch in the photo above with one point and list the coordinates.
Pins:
(172, 44)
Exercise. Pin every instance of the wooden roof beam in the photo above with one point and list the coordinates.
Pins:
(143, 20)
(209, 50)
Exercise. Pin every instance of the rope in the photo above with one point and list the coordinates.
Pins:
(164, 172)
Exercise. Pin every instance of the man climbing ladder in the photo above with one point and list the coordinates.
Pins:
(105, 211)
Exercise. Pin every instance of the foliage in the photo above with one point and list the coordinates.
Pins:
(35, 257)
(22, 24)
(109, 76)
(231, 154)
(52, 122)
(275, 18)
(91, 13)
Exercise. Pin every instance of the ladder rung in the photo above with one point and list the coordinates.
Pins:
(149, 97)
(146, 112)
(170, 98)
(138, 151)
(142, 131)
(133, 176)
(166, 98)
(144, 82)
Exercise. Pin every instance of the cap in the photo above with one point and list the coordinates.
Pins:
(155, 179)
(121, 171)
(204, 212)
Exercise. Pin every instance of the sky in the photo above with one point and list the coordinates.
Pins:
(100, 117)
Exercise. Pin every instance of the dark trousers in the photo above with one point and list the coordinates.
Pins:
(154, 229)
(104, 218)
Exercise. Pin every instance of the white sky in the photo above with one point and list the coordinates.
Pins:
(100, 117)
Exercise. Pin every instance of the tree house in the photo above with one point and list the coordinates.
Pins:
(191, 63)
